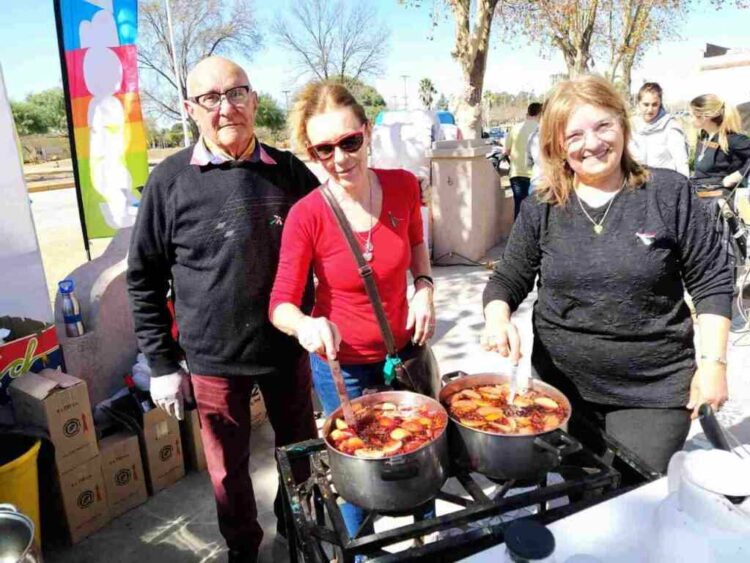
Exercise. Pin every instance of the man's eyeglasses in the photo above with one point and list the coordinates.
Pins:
(236, 96)
(350, 143)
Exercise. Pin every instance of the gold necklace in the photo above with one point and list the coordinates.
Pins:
(598, 226)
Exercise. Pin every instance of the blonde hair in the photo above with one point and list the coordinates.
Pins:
(724, 115)
(316, 98)
(557, 182)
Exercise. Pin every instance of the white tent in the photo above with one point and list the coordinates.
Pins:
(23, 287)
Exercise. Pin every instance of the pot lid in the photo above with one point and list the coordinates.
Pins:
(718, 471)
(528, 539)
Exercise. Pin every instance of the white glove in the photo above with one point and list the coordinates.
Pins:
(170, 391)
(318, 334)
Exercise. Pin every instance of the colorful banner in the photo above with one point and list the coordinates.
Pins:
(100, 74)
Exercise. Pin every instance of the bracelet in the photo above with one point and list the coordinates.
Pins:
(716, 359)
(425, 278)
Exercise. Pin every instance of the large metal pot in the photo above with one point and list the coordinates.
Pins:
(17, 537)
(391, 484)
(506, 456)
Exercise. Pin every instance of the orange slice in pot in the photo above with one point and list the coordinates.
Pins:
(470, 394)
(465, 405)
(485, 411)
(472, 423)
(337, 435)
(353, 443)
(400, 434)
(392, 447)
(546, 403)
(340, 424)
(369, 453)
(412, 426)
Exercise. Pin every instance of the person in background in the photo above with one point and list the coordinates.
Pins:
(383, 209)
(614, 246)
(515, 148)
(658, 140)
(209, 225)
(533, 160)
(722, 155)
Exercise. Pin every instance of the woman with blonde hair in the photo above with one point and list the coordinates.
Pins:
(613, 245)
(382, 208)
(722, 154)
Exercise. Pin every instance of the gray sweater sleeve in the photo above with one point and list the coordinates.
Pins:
(148, 279)
(513, 276)
(706, 271)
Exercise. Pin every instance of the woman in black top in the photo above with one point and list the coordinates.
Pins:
(722, 154)
(612, 244)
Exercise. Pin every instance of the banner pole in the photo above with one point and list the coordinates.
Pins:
(181, 100)
(71, 134)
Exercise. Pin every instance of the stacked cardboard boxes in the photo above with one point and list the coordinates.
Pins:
(122, 469)
(60, 404)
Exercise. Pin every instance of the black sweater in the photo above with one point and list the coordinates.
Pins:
(712, 163)
(214, 232)
(610, 311)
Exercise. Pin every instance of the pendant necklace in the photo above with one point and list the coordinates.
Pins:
(367, 252)
(598, 225)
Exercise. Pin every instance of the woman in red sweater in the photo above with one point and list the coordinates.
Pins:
(383, 209)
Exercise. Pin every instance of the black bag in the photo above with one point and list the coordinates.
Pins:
(415, 367)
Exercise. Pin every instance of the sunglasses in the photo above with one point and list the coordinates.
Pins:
(350, 143)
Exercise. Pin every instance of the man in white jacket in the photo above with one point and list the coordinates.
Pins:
(658, 140)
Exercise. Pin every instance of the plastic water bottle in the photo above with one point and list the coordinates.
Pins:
(71, 309)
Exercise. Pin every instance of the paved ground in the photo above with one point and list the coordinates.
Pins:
(178, 524)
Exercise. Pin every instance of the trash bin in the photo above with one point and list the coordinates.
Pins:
(19, 484)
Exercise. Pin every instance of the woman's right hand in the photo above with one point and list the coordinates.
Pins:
(499, 333)
(318, 335)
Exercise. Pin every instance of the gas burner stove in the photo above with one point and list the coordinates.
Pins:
(471, 518)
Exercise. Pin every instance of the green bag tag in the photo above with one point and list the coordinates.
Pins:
(389, 369)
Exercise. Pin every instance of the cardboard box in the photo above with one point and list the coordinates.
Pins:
(32, 346)
(122, 469)
(159, 440)
(59, 403)
(84, 499)
(192, 442)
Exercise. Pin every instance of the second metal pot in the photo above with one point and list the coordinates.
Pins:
(393, 484)
(17, 537)
(506, 456)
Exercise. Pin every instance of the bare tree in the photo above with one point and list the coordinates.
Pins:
(427, 92)
(332, 39)
(201, 28)
(567, 25)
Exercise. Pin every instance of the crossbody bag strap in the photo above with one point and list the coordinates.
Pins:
(365, 272)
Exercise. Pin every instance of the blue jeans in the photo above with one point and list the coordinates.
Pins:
(357, 378)
(520, 186)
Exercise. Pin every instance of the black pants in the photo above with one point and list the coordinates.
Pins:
(653, 434)
(520, 186)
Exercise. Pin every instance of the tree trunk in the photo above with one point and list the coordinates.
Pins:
(471, 51)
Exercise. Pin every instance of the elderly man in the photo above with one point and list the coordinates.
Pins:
(209, 226)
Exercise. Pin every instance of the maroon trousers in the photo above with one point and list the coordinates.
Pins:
(224, 409)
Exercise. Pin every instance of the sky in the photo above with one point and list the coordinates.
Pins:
(30, 62)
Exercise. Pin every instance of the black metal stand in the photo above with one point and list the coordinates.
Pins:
(316, 529)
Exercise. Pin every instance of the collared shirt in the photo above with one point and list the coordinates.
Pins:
(203, 155)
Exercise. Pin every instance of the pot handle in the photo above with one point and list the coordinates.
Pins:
(399, 469)
(558, 443)
(450, 376)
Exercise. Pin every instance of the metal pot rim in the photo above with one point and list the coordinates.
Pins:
(376, 398)
(504, 379)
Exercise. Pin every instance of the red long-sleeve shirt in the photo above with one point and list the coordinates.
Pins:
(312, 236)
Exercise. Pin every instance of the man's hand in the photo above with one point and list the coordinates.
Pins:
(170, 391)
(318, 335)
(709, 385)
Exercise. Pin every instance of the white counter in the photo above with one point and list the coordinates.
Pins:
(612, 532)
